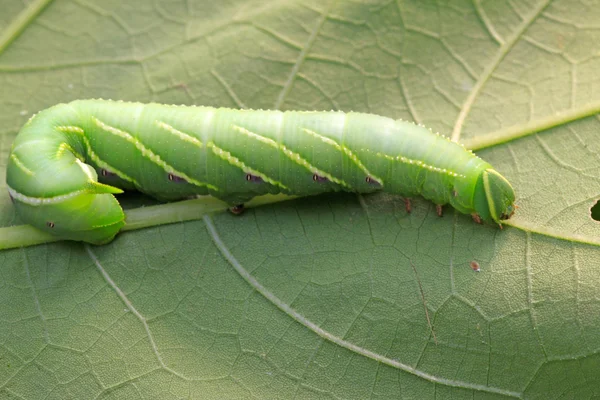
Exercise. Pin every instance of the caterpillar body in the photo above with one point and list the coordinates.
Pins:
(68, 161)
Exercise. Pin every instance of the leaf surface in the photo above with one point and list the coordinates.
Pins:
(336, 296)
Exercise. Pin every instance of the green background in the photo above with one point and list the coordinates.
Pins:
(322, 297)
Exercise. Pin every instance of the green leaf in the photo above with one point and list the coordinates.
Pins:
(336, 296)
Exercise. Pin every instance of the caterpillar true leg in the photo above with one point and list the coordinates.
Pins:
(407, 205)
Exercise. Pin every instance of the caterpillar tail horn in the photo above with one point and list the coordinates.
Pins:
(101, 188)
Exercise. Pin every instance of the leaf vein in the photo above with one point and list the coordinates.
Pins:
(276, 301)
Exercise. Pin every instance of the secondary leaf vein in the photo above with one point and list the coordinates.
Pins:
(335, 339)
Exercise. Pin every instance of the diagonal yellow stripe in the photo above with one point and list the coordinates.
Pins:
(181, 135)
(20, 165)
(104, 165)
(256, 136)
(70, 129)
(149, 154)
(353, 157)
(295, 157)
(65, 147)
(418, 163)
(231, 159)
(90, 152)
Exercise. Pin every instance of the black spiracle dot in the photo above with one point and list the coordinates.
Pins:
(372, 181)
(319, 178)
(175, 178)
(107, 173)
(50, 224)
(254, 178)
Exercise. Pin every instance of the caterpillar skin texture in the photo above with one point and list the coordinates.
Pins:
(68, 161)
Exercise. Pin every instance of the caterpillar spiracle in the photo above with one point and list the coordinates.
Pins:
(68, 161)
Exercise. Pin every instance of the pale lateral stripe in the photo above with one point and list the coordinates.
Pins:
(181, 135)
(149, 154)
(231, 159)
(258, 137)
(20, 165)
(295, 157)
(419, 163)
(61, 128)
(301, 161)
(85, 170)
(322, 138)
(70, 129)
(39, 201)
(29, 143)
(104, 165)
(95, 158)
(64, 147)
(346, 151)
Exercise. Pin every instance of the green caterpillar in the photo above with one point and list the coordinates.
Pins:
(68, 161)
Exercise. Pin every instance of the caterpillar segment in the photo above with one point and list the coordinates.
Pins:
(68, 161)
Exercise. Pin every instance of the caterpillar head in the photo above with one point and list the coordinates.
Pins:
(494, 197)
